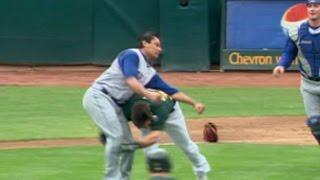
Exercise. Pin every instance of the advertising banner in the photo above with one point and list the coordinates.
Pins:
(253, 59)
(257, 30)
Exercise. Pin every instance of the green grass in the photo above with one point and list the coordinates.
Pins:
(56, 112)
(246, 101)
(42, 112)
(229, 162)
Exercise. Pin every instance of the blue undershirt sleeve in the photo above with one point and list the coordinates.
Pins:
(157, 83)
(129, 63)
(289, 54)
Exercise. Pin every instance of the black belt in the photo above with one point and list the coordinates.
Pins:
(312, 78)
(108, 94)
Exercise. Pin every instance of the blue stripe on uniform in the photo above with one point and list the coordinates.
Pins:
(129, 63)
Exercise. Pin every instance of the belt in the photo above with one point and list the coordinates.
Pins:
(311, 78)
(108, 94)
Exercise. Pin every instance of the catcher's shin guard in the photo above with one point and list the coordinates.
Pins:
(314, 125)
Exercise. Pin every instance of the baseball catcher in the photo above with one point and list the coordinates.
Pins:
(314, 124)
(302, 44)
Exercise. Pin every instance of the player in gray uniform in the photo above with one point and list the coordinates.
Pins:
(304, 42)
(113, 87)
(131, 72)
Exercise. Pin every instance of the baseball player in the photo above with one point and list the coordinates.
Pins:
(304, 42)
(131, 72)
(153, 118)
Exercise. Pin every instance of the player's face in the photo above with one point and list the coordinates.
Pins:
(313, 11)
(152, 49)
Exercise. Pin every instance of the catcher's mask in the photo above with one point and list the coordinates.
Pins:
(141, 114)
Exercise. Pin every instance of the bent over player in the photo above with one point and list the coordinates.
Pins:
(131, 72)
(304, 42)
(153, 118)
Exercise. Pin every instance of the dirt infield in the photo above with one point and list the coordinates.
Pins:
(267, 130)
(84, 75)
(257, 130)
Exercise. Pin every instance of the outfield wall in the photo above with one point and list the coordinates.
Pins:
(38, 32)
(45, 31)
(235, 34)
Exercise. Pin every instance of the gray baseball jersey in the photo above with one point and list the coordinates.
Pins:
(113, 80)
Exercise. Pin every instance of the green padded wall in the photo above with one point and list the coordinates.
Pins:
(185, 35)
(38, 32)
(214, 30)
(119, 23)
(45, 31)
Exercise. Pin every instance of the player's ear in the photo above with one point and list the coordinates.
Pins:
(144, 43)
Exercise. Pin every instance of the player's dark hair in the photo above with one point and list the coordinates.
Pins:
(140, 114)
(147, 37)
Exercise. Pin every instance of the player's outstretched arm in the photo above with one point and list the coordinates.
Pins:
(142, 142)
(149, 139)
(182, 97)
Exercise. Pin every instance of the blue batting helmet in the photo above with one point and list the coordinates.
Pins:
(313, 1)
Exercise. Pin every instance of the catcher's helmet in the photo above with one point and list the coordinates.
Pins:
(313, 1)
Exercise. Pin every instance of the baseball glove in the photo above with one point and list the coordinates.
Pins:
(210, 132)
